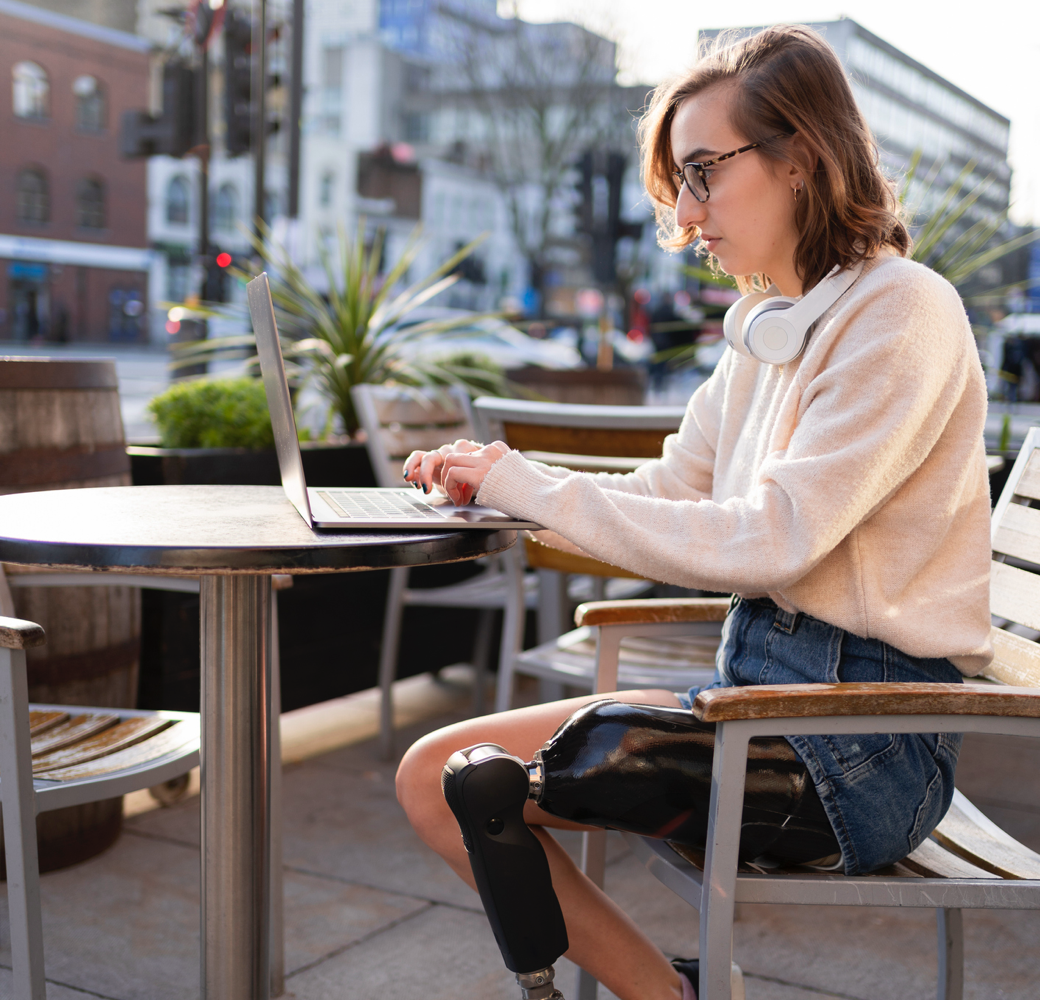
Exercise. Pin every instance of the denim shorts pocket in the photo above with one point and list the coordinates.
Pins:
(857, 754)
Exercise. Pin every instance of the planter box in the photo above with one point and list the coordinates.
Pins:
(323, 464)
(330, 626)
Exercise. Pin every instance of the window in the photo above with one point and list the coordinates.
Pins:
(90, 203)
(33, 197)
(416, 127)
(90, 104)
(331, 88)
(326, 188)
(272, 205)
(178, 201)
(225, 207)
(32, 90)
(178, 276)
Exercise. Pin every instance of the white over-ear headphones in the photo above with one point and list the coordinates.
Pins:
(774, 328)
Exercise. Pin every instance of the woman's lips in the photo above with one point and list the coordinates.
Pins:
(711, 242)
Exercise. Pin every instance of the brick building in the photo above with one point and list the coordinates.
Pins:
(73, 243)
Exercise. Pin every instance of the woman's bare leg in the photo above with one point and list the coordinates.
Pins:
(602, 938)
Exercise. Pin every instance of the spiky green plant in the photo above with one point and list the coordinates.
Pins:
(352, 332)
(944, 241)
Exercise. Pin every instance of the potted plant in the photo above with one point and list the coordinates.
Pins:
(219, 431)
(358, 328)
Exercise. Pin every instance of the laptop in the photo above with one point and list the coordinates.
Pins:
(353, 507)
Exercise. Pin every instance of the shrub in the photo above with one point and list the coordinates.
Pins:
(214, 413)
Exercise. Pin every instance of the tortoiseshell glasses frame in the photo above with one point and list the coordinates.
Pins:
(696, 179)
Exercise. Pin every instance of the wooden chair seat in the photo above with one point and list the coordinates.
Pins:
(74, 747)
(676, 663)
(966, 845)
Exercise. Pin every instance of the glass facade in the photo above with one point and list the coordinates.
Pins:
(912, 110)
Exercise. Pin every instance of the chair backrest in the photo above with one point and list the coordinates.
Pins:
(574, 435)
(399, 421)
(576, 429)
(1015, 583)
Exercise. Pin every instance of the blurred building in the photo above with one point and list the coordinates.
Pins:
(73, 247)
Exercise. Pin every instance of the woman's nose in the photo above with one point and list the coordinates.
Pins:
(688, 210)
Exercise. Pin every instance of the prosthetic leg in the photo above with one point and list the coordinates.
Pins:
(486, 789)
(624, 767)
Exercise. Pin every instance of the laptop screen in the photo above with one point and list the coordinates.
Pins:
(286, 440)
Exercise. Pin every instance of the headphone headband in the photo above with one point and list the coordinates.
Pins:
(774, 328)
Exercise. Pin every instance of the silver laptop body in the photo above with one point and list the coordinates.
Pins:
(354, 507)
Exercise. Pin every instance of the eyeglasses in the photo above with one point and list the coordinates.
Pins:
(697, 180)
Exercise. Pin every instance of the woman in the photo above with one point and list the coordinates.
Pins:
(842, 496)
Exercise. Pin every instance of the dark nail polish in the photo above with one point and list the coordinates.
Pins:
(425, 488)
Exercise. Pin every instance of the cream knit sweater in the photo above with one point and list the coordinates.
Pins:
(849, 485)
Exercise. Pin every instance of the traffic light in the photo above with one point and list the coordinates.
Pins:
(238, 82)
(173, 132)
(598, 213)
(238, 72)
(216, 263)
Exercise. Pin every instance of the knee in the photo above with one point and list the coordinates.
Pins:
(418, 784)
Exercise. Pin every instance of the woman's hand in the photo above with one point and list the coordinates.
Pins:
(456, 469)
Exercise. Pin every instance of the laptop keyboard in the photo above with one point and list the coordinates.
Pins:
(377, 506)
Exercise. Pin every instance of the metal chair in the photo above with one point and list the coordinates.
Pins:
(396, 423)
(968, 862)
(589, 438)
(51, 757)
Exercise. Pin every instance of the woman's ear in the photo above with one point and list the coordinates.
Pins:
(799, 167)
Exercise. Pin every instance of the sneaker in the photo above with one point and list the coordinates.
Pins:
(690, 969)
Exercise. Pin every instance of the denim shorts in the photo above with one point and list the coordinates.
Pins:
(883, 793)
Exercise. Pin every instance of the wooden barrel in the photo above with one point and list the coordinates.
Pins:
(61, 428)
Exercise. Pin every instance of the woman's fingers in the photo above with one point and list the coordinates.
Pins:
(462, 475)
(423, 468)
(461, 482)
(427, 469)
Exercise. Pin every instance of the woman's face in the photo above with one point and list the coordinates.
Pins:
(748, 222)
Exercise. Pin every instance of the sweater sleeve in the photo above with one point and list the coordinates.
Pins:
(866, 419)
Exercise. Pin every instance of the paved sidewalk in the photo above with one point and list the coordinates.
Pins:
(372, 913)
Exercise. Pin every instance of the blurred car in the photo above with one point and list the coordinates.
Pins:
(494, 338)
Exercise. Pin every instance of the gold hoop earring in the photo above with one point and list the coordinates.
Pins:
(797, 192)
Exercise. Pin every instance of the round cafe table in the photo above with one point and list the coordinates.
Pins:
(233, 538)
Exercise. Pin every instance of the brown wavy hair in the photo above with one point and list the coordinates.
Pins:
(786, 81)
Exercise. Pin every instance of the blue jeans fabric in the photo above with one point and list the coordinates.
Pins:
(883, 793)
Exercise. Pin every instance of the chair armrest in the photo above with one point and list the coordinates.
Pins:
(654, 609)
(792, 701)
(18, 634)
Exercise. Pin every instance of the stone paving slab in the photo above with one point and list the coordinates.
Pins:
(55, 991)
(372, 913)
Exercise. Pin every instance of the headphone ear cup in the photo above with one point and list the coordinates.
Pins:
(736, 314)
(769, 334)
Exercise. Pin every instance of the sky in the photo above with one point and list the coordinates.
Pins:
(988, 48)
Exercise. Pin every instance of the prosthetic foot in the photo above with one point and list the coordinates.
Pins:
(486, 789)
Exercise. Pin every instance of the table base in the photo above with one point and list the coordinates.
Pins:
(236, 780)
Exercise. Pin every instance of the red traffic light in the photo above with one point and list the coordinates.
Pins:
(223, 259)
